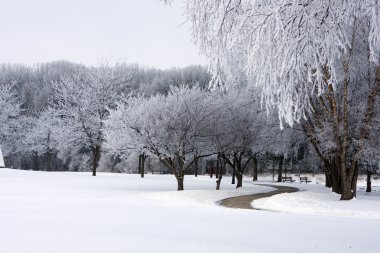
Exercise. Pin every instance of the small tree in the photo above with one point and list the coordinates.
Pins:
(10, 124)
(83, 102)
(40, 135)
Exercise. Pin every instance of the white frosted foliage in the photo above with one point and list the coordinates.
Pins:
(290, 48)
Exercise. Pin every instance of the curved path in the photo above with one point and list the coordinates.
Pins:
(244, 202)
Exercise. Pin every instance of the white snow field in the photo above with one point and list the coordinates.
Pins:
(56, 212)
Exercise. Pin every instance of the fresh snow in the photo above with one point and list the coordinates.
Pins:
(319, 200)
(64, 212)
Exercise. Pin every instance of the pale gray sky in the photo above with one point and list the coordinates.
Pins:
(85, 31)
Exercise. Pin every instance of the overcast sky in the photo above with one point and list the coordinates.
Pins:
(86, 31)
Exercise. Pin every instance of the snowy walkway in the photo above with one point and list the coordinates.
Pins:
(244, 202)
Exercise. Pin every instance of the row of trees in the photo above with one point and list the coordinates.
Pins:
(191, 123)
(188, 122)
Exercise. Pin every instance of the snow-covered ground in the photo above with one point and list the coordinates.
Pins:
(318, 200)
(44, 212)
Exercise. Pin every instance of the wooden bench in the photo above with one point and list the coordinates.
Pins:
(287, 179)
(304, 179)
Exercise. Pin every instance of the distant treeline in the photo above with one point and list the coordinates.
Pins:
(32, 85)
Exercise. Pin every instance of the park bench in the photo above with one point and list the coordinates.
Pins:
(304, 179)
(287, 179)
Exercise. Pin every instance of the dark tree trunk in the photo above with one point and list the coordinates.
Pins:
(196, 167)
(354, 180)
(95, 159)
(239, 171)
(341, 177)
(233, 170)
(233, 176)
(347, 193)
(220, 168)
(35, 161)
(332, 170)
(369, 188)
(239, 178)
(49, 160)
(139, 168)
(349, 181)
(328, 183)
(178, 172)
(142, 166)
(280, 163)
(142, 158)
(255, 169)
(180, 183)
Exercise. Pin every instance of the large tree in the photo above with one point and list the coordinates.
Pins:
(285, 44)
(342, 123)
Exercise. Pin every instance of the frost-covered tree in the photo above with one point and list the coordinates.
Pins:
(235, 128)
(83, 103)
(342, 120)
(287, 45)
(242, 131)
(169, 127)
(9, 116)
(40, 135)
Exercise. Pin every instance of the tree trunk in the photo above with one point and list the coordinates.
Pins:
(139, 168)
(368, 181)
(280, 163)
(349, 181)
(354, 180)
(255, 169)
(196, 167)
(220, 167)
(233, 170)
(95, 159)
(142, 158)
(238, 171)
(180, 183)
(35, 161)
(239, 178)
(49, 160)
(142, 172)
(328, 183)
(333, 175)
(233, 176)
(347, 193)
